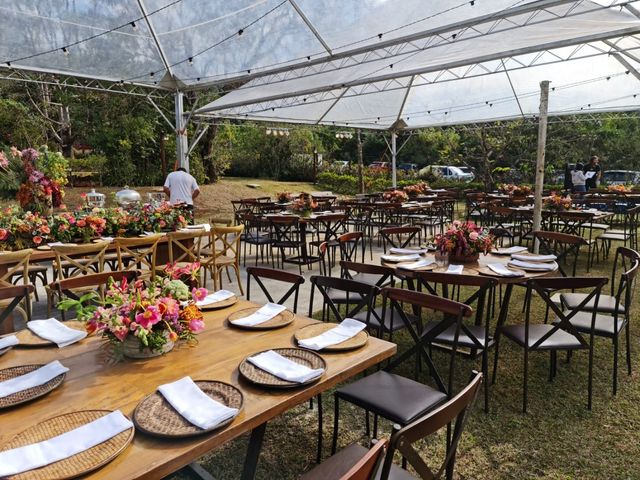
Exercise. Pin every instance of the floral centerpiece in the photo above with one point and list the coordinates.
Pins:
(619, 188)
(304, 205)
(557, 202)
(188, 274)
(20, 230)
(395, 196)
(143, 320)
(284, 197)
(515, 190)
(417, 189)
(464, 241)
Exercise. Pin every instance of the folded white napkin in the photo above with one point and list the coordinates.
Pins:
(106, 239)
(63, 446)
(201, 226)
(32, 379)
(543, 267)
(415, 265)
(215, 297)
(55, 331)
(400, 258)
(9, 341)
(194, 405)
(347, 329)
(455, 269)
(534, 258)
(502, 270)
(408, 251)
(265, 313)
(510, 250)
(283, 368)
(56, 244)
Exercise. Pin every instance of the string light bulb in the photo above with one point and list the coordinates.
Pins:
(134, 26)
(65, 51)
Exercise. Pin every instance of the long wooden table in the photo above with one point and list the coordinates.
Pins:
(96, 382)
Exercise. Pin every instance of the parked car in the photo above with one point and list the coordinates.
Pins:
(408, 167)
(621, 177)
(380, 166)
(468, 170)
(447, 172)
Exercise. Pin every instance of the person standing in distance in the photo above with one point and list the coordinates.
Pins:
(182, 189)
(593, 181)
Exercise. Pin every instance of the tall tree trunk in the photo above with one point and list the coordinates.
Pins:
(66, 139)
(206, 152)
(360, 164)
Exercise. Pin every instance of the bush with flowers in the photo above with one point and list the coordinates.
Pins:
(395, 196)
(416, 189)
(464, 239)
(557, 202)
(156, 313)
(619, 188)
(515, 190)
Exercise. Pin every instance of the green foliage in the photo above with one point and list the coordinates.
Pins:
(19, 126)
(53, 165)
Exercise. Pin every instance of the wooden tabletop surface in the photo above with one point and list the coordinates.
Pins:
(96, 382)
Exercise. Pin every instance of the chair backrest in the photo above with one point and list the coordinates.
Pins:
(358, 296)
(545, 287)
(562, 245)
(385, 273)
(80, 260)
(452, 314)
(628, 261)
(136, 253)
(349, 244)
(324, 262)
(286, 229)
(403, 439)
(17, 294)
(331, 225)
(258, 273)
(16, 262)
(226, 241)
(184, 246)
(398, 237)
(367, 466)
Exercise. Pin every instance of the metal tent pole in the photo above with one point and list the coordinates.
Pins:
(394, 177)
(181, 132)
(542, 144)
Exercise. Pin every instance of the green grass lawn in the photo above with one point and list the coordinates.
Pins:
(557, 439)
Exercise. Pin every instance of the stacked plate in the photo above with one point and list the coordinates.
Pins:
(531, 262)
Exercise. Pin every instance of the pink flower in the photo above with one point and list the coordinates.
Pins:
(120, 333)
(149, 317)
(198, 294)
(4, 233)
(473, 236)
(169, 307)
(196, 325)
(4, 162)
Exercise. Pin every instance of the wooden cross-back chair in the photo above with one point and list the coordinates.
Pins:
(225, 252)
(15, 264)
(75, 287)
(138, 254)
(258, 273)
(74, 261)
(184, 246)
(10, 298)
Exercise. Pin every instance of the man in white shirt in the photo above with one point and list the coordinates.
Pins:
(181, 188)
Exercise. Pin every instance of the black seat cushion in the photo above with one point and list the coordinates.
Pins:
(606, 303)
(371, 279)
(605, 325)
(390, 323)
(464, 340)
(396, 398)
(559, 340)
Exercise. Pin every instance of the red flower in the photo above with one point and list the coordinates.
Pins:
(37, 239)
(4, 234)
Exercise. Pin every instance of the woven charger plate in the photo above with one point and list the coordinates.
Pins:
(155, 416)
(76, 465)
(260, 377)
(487, 271)
(30, 393)
(31, 340)
(218, 305)
(281, 320)
(359, 340)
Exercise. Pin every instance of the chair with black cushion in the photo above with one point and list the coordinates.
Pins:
(74, 287)
(476, 337)
(396, 398)
(561, 335)
(627, 234)
(455, 412)
(256, 233)
(399, 237)
(352, 463)
(280, 276)
(10, 299)
(288, 238)
(614, 310)
(357, 297)
(329, 228)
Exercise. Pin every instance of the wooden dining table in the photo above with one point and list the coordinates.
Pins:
(97, 381)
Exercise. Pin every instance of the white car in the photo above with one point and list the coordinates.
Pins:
(447, 173)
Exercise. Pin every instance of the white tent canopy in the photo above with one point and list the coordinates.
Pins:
(487, 69)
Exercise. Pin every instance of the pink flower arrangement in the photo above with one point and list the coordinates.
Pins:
(464, 239)
(557, 202)
(153, 313)
(395, 196)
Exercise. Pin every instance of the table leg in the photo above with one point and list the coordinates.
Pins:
(253, 452)
(502, 318)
